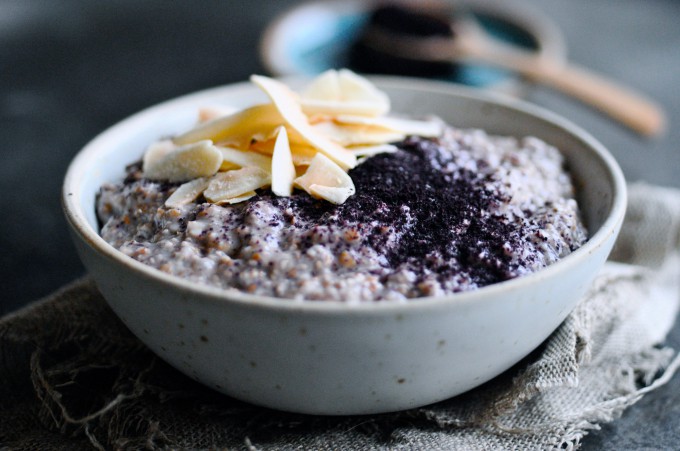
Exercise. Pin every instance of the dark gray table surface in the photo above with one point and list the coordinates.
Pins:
(69, 69)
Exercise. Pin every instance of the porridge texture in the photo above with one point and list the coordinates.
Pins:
(440, 215)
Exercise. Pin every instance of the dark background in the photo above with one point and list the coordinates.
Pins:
(71, 68)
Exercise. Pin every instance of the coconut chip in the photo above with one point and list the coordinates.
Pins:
(427, 129)
(184, 163)
(237, 128)
(226, 186)
(187, 192)
(348, 135)
(344, 92)
(208, 113)
(288, 106)
(282, 169)
(243, 159)
(326, 180)
(308, 141)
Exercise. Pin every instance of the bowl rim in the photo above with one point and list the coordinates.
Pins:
(78, 222)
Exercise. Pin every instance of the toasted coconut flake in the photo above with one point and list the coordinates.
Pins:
(287, 105)
(232, 184)
(324, 173)
(227, 166)
(183, 163)
(277, 144)
(325, 86)
(348, 135)
(328, 107)
(267, 147)
(243, 159)
(428, 129)
(302, 155)
(356, 87)
(238, 128)
(187, 192)
(208, 113)
(263, 147)
(333, 195)
(157, 151)
(237, 199)
(283, 170)
(344, 92)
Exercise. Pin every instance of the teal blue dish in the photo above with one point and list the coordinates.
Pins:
(316, 36)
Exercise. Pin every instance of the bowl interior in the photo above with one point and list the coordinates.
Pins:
(598, 179)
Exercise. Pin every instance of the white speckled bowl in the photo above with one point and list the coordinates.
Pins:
(328, 357)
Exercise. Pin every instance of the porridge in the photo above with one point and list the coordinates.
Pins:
(428, 216)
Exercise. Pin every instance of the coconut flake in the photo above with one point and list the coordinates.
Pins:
(238, 128)
(282, 168)
(243, 158)
(237, 199)
(157, 151)
(333, 195)
(344, 92)
(208, 113)
(183, 163)
(348, 135)
(324, 173)
(428, 129)
(232, 184)
(187, 192)
(288, 106)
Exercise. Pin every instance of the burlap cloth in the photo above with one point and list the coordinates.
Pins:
(74, 377)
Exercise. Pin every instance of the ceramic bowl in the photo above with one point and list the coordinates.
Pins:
(329, 357)
(315, 36)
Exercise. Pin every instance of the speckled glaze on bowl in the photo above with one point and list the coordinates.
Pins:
(329, 357)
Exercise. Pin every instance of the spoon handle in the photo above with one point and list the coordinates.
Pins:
(473, 44)
(623, 104)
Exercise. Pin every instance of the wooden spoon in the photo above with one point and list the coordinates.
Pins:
(472, 43)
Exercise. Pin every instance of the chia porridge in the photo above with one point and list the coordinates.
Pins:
(438, 216)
